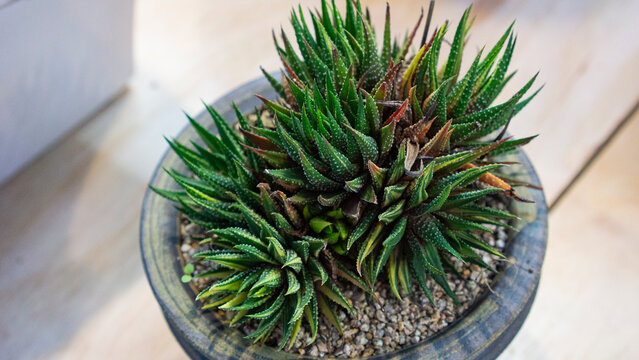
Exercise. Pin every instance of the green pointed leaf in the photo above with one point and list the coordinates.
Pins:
(369, 244)
(397, 169)
(419, 271)
(317, 269)
(386, 43)
(393, 193)
(274, 83)
(491, 89)
(389, 245)
(292, 176)
(392, 213)
(405, 278)
(456, 49)
(266, 327)
(276, 250)
(502, 117)
(430, 233)
(457, 223)
(250, 279)
(433, 257)
(333, 293)
(273, 158)
(360, 117)
(392, 270)
(270, 311)
(168, 194)
(231, 260)
(229, 137)
(281, 223)
(368, 194)
(490, 58)
(231, 283)
(311, 315)
(318, 180)
(345, 273)
(356, 184)
(271, 278)
(253, 303)
(510, 145)
(367, 145)
(419, 193)
(467, 198)
(341, 167)
(418, 249)
(218, 302)
(434, 57)
(240, 236)
(256, 223)
(255, 253)
(293, 284)
(293, 261)
(461, 95)
(287, 327)
(438, 100)
(332, 199)
(361, 228)
(315, 244)
(309, 295)
(328, 312)
(378, 175)
(302, 248)
(318, 224)
(237, 300)
(484, 211)
(372, 114)
(477, 243)
(437, 202)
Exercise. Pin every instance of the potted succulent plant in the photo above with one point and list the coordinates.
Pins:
(365, 207)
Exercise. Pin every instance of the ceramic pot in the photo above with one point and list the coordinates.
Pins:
(483, 333)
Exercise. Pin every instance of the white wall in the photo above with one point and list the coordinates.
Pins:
(60, 60)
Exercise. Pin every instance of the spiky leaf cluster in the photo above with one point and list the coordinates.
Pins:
(405, 151)
(372, 165)
(267, 267)
(401, 190)
(339, 45)
(464, 100)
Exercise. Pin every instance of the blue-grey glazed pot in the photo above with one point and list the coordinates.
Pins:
(482, 333)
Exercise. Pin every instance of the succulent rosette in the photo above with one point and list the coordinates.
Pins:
(374, 163)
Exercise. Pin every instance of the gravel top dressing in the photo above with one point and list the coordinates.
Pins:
(387, 324)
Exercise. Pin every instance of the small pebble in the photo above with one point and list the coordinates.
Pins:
(191, 228)
(314, 351)
(347, 350)
(362, 340)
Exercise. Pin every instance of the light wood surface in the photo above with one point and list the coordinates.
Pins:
(71, 282)
(586, 307)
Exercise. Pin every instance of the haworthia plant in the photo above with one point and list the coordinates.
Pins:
(373, 168)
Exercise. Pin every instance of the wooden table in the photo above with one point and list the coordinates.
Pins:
(71, 281)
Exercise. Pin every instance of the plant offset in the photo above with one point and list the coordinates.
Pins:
(371, 171)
